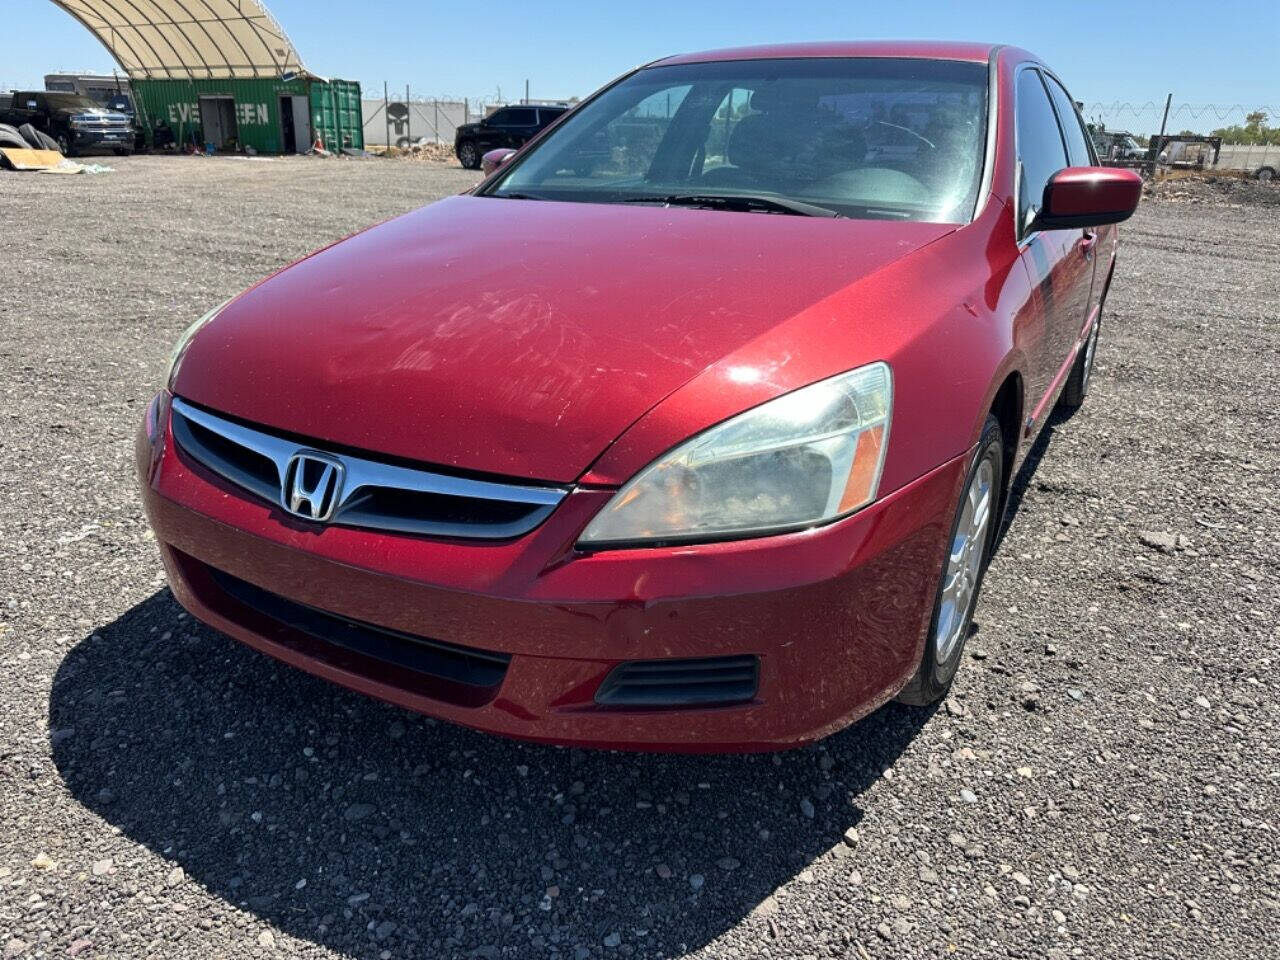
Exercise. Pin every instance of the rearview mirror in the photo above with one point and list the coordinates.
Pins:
(492, 160)
(1088, 197)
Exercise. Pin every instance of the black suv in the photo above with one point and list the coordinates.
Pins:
(75, 122)
(507, 127)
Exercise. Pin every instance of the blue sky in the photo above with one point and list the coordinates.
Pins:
(1223, 52)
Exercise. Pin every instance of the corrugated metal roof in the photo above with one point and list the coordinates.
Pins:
(189, 39)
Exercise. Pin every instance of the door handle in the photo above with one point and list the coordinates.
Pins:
(1087, 243)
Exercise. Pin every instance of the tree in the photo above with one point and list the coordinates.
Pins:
(1254, 130)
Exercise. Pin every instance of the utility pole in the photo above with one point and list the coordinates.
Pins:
(1155, 148)
(526, 90)
(386, 110)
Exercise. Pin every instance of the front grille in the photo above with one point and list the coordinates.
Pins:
(468, 666)
(711, 681)
(375, 495)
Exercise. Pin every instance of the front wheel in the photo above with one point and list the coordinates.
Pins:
(972, 537)
(469, 155)
(64, 145)
(1266, 174)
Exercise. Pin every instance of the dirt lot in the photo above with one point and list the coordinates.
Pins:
(1103, 783)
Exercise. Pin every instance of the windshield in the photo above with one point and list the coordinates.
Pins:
(865, 137)
(70, 101)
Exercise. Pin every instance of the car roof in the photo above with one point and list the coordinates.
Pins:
(924, 49)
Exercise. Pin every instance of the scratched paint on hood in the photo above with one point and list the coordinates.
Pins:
(518, 337)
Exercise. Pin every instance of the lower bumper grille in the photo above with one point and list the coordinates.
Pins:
(480, 671)
(713, 681)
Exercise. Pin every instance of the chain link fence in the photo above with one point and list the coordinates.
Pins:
(400, 118)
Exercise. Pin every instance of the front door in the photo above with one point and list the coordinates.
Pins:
(1059, 262)
(1095, 242)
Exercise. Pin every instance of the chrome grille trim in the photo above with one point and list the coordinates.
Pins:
(364, 480)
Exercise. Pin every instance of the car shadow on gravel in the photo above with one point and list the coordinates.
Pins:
(1027, 470)
(365, 828)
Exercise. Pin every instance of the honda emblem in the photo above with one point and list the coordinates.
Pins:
(312, 485)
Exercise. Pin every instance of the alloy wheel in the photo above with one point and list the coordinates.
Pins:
(964, 564)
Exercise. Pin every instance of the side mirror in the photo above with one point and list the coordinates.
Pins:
(492, 160)
(1088, 197)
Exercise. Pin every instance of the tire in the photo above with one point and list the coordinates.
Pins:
(9, 137)
(64, 144)
(950, 623)
(30, 134)
(469, 155)
(1077, 388)
(1266, 174)
(122, 151)
(47, 142)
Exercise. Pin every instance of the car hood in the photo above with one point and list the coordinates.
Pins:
(517, 337)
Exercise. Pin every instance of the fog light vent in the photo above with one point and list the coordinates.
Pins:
(710, 681)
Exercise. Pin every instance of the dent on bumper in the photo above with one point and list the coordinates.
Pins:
(836, 615)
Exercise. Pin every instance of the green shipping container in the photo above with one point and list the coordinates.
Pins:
(271, 116)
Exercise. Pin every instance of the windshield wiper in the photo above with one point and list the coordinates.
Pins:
(739, 201)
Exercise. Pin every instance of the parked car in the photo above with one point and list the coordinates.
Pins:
(703, 449)
(507, 127)
(75, 122)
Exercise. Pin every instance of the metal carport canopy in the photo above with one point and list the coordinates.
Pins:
(189, 39)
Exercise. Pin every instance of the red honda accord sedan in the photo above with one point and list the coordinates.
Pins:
(690, 428)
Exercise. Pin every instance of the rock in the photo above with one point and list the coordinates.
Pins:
(78, 947)
(14, 948)
(266, 940)
(101, 868)
(697, 880)
(358, 811)
(663, 871)
(884, 931)
(383, 930)
(43, 861)
(1164, 542)
(851, 836)
(968, 796)
(613, 940)
(175, 877)
(728, 863)
(806, 807)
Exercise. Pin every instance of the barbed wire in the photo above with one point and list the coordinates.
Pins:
(1119, 109)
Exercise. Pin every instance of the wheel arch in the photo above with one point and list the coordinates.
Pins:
(1006, 406)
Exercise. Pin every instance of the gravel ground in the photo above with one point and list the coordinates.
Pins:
(1103, 782)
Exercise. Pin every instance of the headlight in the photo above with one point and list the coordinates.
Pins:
(184, 341)
(803, 458)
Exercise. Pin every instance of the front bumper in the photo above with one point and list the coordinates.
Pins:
(836, 615)
(91, 138)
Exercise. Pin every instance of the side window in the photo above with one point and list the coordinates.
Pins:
(499, 118)
(520, 117)
(1072, 127)
(1040, 150)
